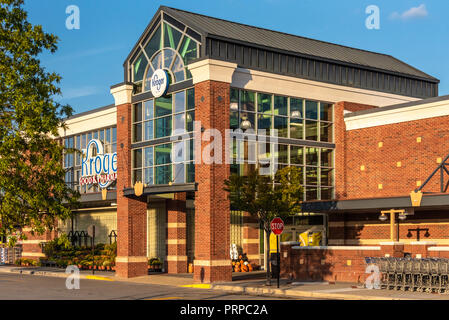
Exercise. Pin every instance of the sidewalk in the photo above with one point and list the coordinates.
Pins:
(249, 283)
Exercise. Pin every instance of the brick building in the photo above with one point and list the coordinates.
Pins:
(365, 128)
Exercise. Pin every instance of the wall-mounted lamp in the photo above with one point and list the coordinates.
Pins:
(246, 124)
(234, 106)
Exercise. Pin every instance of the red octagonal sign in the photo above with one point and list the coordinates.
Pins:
(277, 226)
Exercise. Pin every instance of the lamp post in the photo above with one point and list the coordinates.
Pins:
(394, 234)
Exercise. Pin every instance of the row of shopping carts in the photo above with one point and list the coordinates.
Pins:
(410, 274)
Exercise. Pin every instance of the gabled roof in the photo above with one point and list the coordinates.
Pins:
(210, 27)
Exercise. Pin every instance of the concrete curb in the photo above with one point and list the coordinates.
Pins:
(257, 291)
(55, 274)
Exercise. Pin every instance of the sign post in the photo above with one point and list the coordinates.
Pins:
(277, 227)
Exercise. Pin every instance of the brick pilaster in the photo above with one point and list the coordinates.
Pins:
(177, 234)
(131, 258)
(251, 239)
(212, 210)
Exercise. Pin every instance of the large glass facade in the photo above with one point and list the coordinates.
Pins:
(167, 48)
(72, 161)
(164, 163)
(295, 119)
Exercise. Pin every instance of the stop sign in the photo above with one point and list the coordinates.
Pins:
(277, 226)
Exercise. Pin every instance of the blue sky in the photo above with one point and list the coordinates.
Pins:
(90, 59)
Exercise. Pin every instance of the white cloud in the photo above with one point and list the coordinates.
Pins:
(72, 93)
(412, 13)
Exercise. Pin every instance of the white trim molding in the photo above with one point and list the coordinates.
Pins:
(438, 249)
(176, 241)
(337, 248)
(176, 258)
(32, 254)
(122, 94)
(131, 259)
(212, 263)
(210, 69)
(398, 115)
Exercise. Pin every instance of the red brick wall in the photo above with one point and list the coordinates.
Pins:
(418, 160)
(212, 209)
(131, 212)
(176, 214)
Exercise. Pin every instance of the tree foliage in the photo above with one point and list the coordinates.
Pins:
(265, 198)
(32, 188)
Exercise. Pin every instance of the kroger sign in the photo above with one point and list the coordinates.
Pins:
(159, 83)
(97, 167)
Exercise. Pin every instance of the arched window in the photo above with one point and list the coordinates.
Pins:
(168, 48)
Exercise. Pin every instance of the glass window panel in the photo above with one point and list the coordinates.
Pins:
(326, 132)
(264, 123)
(180, 101)
(188, 50)
(148, 179)
(327, 177)
(326, 193)
(139, 67)
(264, 103)
(235, 120)
(138, 132)
(296, 155)
(190, 118)
(247, 102)
(311, 176)
(108, 135)
(178, 69)
(83, 141)
(89, 137)
(190, 173)
(137, 175)
(311, 194)
(163, 153)
(114, 147)
(190, 99)
(179, 173)
(95, 135)
(296, 128)
(234, 95)
(149, 112)
(190, 148)
(325, 111)
(163, 127)
(179, 152)
(101, 136)
(264, 153)
(280, 105)
(301, 176)
(114, 134)
(137, 158)
(248, 116)
(281, 124)
(311, 130)
(312, 156)
(169, 55)
(154, 44)
(163, 106)
(179, 123)
(312, 110)
(327, 157)
(296, 108)
(137, 116)
(163, 174)
(148, 152)
(157, 61)
(281, 156)
(148, 127)
(172, 36)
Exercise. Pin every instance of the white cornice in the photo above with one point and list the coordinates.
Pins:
(209, 69)
(404, 114)
(122, 94)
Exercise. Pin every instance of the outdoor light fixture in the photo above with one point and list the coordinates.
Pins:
(296, 114)
(189, 117)
(234, 106)
(402, 216)
(383, 217)
(246, 124)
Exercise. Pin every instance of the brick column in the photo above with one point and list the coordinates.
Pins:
(419, 249)
(392, 249)
(212, 80)
(177, 234)
(131, 258)
(251, 238)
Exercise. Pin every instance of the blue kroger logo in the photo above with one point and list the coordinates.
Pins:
(100, 169)
(159, 83)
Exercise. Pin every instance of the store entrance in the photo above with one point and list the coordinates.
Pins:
(307, 229)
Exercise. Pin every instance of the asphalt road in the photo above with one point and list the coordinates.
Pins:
(31, 287)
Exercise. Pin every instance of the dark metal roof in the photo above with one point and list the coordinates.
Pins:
(85, 113)
(210, 26)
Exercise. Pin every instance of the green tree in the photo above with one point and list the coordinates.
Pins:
(265, 197)
(32, 188)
